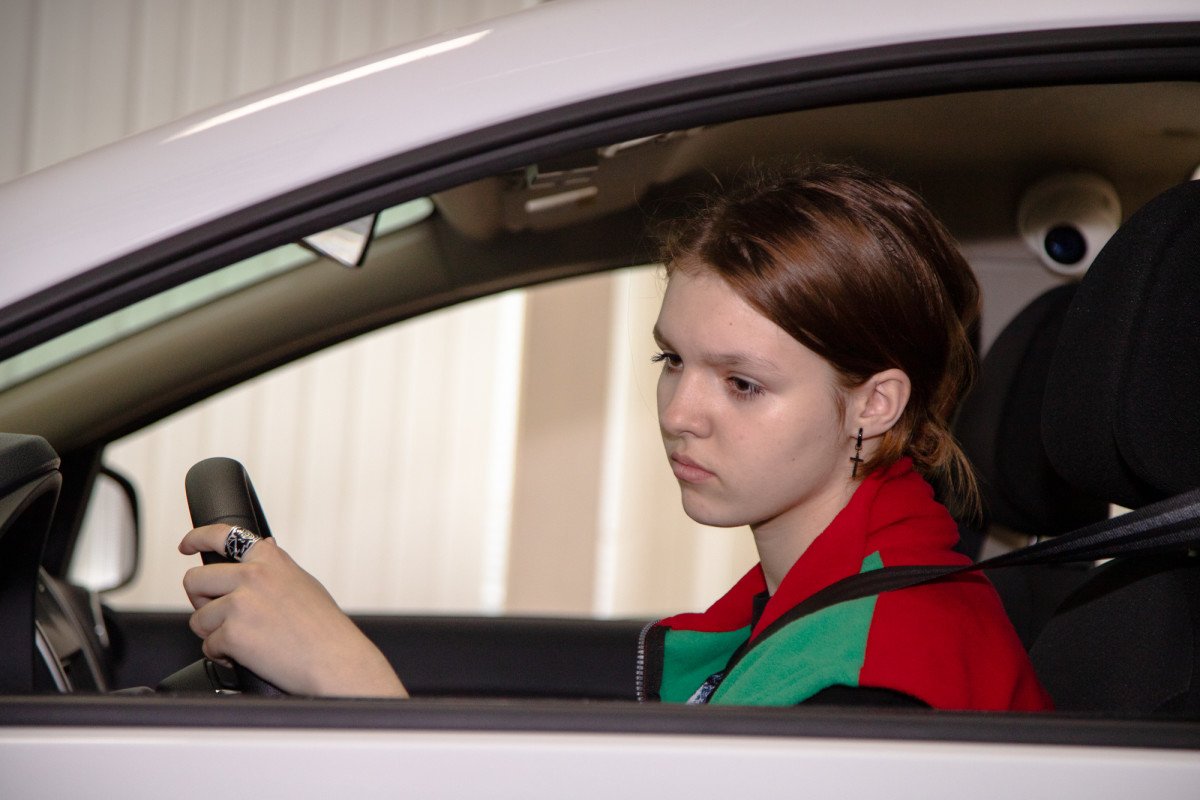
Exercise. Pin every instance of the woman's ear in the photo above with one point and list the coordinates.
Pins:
(879, 401)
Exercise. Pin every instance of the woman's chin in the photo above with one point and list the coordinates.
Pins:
(711, 514)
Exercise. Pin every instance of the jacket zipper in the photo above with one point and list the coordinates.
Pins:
(640, 669)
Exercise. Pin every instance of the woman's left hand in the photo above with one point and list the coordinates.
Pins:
(277, 620)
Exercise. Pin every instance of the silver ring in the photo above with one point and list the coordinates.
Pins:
(238, 541)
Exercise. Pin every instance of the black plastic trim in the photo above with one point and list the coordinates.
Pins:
(1085, 55)
(79, 470)
(595, 717)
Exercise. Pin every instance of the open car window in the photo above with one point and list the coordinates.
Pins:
(498, 456)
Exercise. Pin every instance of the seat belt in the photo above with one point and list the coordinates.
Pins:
(1159, 527)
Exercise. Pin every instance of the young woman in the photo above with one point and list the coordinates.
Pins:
(814, 345)
(813, 342)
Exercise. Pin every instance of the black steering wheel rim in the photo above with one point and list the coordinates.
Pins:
(219, 491)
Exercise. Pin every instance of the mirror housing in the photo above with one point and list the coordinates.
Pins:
(107, 548)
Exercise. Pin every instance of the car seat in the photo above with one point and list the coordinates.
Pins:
(1121, 421)
(999, 426)
(29, 485)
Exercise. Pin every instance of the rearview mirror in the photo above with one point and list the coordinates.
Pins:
(346, 244)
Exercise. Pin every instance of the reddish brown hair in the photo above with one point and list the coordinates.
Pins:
(857, 269)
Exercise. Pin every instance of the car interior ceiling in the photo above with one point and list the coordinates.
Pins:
(488, 235)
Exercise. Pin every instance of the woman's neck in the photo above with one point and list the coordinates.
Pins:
(783, 539)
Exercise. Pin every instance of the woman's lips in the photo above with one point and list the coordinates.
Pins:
(687, 470)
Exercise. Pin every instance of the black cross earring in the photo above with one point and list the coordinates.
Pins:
(856, 459)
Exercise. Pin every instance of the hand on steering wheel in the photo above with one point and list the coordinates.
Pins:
(219, 490)
(266, 613)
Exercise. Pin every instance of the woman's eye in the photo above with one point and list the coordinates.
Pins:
(668, 360)
(743, 388)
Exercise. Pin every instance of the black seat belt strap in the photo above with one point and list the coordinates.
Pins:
(1163, 526)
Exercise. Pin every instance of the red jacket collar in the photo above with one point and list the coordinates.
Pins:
(891, 512)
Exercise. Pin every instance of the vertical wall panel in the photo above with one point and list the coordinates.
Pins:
(255, 44)
(354, 28)
(556, 502)
(371, 433)
(18, 40)
(399, 18)
(103, 113)
(57, 81)
(157, 67)
(204, 78)
(309, 43)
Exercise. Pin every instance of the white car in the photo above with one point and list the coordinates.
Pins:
(536, 147)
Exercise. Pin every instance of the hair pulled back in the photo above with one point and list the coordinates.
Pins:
(856, 268)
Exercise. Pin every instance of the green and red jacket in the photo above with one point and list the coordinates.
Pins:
(948, 643)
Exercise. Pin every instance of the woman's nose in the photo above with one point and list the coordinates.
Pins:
(681, 406)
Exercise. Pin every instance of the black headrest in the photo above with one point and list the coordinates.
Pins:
(1122, 413)
(1000, 427)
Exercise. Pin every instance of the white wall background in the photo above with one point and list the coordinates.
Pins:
(465, 473)
(76, 74)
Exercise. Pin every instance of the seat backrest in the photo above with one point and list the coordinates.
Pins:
(999, 426)
(1121, 420)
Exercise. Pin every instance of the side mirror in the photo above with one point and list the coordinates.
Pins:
(106, 551)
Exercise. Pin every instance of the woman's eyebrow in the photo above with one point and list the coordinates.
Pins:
(733, 359)
(740, 360)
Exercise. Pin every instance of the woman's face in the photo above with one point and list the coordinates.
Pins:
(748, 415)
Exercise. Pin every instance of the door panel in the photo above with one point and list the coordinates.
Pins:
(475, 656)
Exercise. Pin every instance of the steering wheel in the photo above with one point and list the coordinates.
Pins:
(219, 491)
